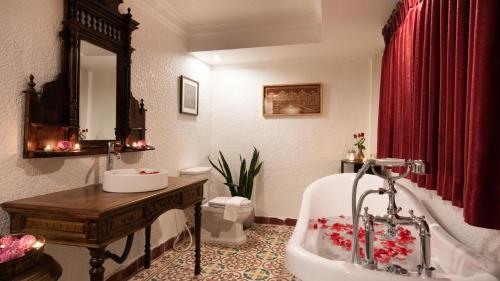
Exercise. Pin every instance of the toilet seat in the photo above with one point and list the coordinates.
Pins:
(220, 203)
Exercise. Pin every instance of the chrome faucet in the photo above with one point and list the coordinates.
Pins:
(392, 219)
(111, 152)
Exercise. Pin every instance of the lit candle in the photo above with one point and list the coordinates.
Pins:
(76, 147)
(134, 145)
(37, 245)
(48, 148)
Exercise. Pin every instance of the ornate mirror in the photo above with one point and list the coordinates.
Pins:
(89, 103)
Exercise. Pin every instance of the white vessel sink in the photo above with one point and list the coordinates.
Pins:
(134, 180)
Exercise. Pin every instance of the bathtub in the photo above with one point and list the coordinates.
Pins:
(331, 196)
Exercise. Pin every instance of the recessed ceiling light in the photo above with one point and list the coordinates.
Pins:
(217, 58)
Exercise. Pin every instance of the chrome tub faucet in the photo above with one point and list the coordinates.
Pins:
(392, 219)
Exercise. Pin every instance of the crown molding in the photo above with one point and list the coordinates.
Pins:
(291, 62)
(306, 20)
(166, 14)
(278, 30)
(255, 33)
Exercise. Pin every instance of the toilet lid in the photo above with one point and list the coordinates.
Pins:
(194, 171)
(220, 202)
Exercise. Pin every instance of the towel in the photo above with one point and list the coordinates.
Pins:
(232, 208)
(218, 202)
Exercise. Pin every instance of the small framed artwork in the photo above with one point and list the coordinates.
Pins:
(294, 99)
(189, 96)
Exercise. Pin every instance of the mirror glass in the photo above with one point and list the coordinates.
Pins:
(97, 99)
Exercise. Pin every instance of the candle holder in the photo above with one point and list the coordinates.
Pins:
(48, 148)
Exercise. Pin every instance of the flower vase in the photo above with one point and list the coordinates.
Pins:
(360, 156)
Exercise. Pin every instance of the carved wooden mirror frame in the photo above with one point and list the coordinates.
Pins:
(52, 114)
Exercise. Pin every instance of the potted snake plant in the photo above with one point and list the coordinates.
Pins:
(244, 187)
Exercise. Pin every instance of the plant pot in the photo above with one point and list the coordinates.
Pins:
(250, 220)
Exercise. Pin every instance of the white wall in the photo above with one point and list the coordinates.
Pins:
(160, 57)
(295, 150)
(375, 74)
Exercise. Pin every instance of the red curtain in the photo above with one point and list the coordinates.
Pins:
(440, 100)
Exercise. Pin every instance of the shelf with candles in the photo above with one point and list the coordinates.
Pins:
(53, 151)
(140, 145)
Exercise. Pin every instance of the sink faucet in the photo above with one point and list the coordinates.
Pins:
(111, 151)
(392, 219)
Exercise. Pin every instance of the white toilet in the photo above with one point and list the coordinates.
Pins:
(213, 227)
(216, 229)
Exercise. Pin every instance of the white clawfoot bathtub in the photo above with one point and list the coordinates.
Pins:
(331, 196)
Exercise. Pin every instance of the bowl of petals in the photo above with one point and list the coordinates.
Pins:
(19, 253)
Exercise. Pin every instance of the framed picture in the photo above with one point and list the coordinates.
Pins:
(189, 96)
(295, 99)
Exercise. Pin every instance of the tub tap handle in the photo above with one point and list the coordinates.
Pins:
(390, 233)
(412, 215)
(397, 269)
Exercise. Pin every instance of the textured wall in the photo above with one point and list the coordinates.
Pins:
(295, 150)
(29, 44)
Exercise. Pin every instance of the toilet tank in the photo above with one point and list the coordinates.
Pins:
(201, 173)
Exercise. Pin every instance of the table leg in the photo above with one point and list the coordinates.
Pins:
(96, 261)
(197, 233)
(147, 247)
(342, 167)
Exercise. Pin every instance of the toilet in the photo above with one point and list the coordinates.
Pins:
(200, 173)
(213, 227)
(216, 229)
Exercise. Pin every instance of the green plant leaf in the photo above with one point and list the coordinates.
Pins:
(229, 177)
(222, 168)
(252, 172)
(257, 169)
(232, 188)
(246, 176)
(243, 177)
(216, 168)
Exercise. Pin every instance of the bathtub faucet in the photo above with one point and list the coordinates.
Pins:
(392, 219)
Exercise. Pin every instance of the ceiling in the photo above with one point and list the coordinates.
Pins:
(226, 32)
(197, 12)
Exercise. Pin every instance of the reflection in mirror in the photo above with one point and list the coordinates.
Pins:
(97, 101)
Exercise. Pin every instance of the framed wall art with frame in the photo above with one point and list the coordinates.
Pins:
(293, 99)
(189, 93)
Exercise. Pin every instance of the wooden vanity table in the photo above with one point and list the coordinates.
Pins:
(89, 217)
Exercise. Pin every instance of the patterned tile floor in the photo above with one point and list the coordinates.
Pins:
(261, 258)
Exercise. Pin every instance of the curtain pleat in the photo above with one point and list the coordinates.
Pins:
(440, 94)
